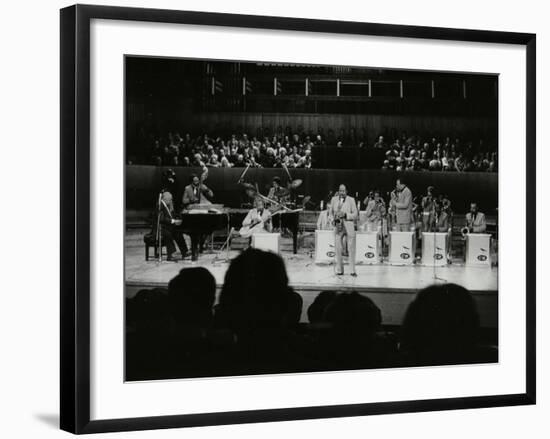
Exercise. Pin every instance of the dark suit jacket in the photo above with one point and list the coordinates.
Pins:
(478, 225)
(165, 221)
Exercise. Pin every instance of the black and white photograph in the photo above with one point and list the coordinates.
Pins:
(275, 219)
(301, 218)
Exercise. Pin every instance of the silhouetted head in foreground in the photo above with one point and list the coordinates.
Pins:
(353, 313)
(256, 294)
(352, 340)
(191, 296)
(147, 311)
(441, 325)
(316, 311)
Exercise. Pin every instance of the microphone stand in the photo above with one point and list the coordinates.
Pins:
(243, 173)
(435, 221)
(158, 234)
(381, 238)
(287, 171)
(226, 246)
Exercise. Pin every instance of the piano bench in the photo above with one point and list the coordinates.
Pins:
(150, 241)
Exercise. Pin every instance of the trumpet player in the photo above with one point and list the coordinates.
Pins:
(375, 212)
(343, 209)
(444, 217)
(428, 210)
(475, 220)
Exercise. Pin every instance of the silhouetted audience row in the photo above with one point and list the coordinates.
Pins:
(294, 150)
(255, 327)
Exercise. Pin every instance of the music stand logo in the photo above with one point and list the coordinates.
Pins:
(482, 258)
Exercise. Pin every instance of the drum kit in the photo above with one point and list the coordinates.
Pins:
(282, 198)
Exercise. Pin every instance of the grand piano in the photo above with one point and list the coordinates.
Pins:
(201, 220)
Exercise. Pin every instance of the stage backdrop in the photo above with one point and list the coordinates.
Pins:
(144, 182)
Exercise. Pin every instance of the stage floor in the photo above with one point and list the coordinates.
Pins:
(392, 288)
(304, 274)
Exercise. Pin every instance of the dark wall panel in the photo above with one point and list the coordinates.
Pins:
(227, 122)
(372, 123)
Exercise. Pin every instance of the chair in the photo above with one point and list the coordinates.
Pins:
(150, 241)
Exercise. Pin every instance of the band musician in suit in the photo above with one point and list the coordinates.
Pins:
(277, 192)
(167, 223)
(258, 218)
(196, 192)
(325, 220)
(475, 220)
(343, 209)
(402, 203)
(375, 212)
(429, 207)
(444, 220)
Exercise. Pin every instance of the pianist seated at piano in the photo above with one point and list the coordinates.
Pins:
(258, 220)
(197, 192)
(168, 224)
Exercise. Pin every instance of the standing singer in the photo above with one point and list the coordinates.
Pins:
(344, 211)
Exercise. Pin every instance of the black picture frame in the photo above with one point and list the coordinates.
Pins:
(75, 215)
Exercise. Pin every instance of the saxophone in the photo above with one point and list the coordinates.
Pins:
(338, 221)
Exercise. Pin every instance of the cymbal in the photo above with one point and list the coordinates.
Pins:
(306, 200)
(296, 183)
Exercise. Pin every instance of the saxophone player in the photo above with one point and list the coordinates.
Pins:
(343, 209)
(475, 220)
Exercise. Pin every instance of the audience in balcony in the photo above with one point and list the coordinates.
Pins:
(402, 152)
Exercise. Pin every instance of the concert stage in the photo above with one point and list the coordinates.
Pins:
(392, 288)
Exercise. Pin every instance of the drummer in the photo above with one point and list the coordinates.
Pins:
(277, 192)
